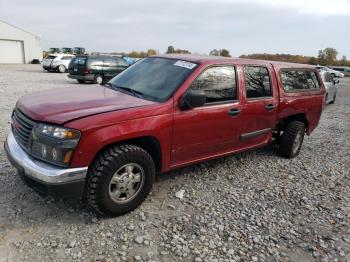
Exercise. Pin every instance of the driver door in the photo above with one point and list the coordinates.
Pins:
(213, 128)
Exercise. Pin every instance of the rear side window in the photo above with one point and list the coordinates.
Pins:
(257, 82)
(80, 60)
(299, 80)
(66, 58)
(110, 62)
(95, 62)
(218, 83)
(51, 57)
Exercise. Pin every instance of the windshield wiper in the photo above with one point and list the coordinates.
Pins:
(130, 90)
(127, 89)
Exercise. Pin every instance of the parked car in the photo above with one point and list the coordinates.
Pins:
(57, 62)
(330, 85)
(345, 70)
(98, 69)
(79, 50)
(67, 50)
(162, 113)
(54, 50)
(333, 72)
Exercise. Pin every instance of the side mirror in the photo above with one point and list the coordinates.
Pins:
(193, 98)
(336, 81)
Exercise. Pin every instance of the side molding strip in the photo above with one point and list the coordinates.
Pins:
(254, 134)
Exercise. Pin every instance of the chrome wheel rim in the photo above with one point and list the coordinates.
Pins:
(61, 68)
(99, 80)
(297, 142)
(126, 183)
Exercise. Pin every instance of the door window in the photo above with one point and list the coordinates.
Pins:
(218, 83)
(257, 82)
(112, 62)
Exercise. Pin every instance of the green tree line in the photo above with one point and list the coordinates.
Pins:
(327, 56)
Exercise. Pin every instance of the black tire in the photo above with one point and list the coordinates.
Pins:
(98, 79)
(80, 81)
(292, 139)
(104, 168)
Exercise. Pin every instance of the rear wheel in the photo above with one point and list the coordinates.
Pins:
(292, 139)
(120, 179)
(61, 68)
(98, 79)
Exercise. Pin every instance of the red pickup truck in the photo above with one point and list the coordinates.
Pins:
(164, 112)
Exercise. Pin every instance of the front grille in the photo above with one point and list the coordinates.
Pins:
(22, 127)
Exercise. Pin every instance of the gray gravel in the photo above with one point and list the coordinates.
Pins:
(253, 206)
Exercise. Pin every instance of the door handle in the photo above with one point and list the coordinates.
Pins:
(270, 107)
(234, 112)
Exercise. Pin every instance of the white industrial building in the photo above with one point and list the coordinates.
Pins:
(18, 46)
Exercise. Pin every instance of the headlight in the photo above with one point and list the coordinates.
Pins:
(55, 144)
(58, 132)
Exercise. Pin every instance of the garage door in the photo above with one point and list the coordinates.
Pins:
(11, 52)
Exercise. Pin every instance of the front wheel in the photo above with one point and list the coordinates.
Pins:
(120, 179)
(80, 81)
(292, 139)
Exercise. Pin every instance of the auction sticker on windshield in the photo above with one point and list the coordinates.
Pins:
(185, 64)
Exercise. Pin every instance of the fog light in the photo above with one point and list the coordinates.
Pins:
(43, 150)
(54, 154)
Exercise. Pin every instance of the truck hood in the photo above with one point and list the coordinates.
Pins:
(62, 105)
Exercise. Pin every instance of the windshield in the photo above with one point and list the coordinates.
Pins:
(154, 78)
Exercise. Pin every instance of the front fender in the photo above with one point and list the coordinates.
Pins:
(96, 139)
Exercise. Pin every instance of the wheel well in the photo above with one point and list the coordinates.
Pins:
(147, 143)
(298, 117)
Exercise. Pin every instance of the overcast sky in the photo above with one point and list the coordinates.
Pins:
(241, 26)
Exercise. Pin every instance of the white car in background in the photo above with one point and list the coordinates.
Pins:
(57, 62)
(345, 70)
(330, 84)
(333, 72)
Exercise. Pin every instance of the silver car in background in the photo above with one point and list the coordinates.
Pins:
(330, 84)
(345, 70)
(57, 62)
(333, 72)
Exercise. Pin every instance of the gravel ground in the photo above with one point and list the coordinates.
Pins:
(253, 206)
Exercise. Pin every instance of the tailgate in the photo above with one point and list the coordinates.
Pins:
(77, 65)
